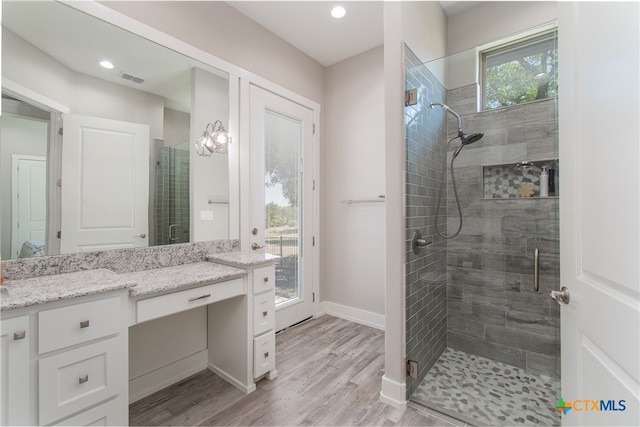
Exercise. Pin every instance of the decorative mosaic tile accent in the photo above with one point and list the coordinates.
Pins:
(508, 181)
(484, 392)
(118, 261)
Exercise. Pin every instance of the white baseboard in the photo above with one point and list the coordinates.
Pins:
(393, 393)
(156, 380)
(233, 381)
(357, 315)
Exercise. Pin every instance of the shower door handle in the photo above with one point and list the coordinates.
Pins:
(536, 270)
(173, 235)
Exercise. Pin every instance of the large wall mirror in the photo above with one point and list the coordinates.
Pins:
(123, 170)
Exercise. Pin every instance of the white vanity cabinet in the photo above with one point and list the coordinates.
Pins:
(82, 362)
(264, 319)
(66, 362)
(249, 325)
(15, 375)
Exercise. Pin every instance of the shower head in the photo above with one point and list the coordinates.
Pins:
(470, 139)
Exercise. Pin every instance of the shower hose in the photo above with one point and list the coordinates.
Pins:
(455, 190)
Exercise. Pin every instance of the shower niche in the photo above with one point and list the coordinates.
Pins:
(519, 180)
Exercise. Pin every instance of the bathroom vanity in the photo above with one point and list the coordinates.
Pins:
(65, 336)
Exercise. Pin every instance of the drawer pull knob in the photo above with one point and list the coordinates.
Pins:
(266, 354)
(200, 297)
(266, 279)
(19, 335)
(84, 324)
(84, 379)
(264, 313)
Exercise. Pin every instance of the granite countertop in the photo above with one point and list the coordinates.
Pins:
(186, 275)
(243, 258)
(43, 289)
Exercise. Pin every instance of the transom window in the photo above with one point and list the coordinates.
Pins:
(522, 71)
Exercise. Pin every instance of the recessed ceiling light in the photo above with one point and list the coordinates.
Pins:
(106, 64)
(338, 12)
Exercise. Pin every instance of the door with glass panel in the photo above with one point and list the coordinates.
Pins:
(281, 211)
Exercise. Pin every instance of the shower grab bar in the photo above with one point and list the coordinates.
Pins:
(536, 270)
(380, 199)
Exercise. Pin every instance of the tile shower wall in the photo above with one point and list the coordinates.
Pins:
(492, 308)
(426, 272)
(172, 196)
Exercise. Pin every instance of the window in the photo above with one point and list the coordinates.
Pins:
(521, 71)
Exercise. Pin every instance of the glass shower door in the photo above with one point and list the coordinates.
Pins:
(484, 342)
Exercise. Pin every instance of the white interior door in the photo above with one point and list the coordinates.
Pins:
(600, 212)
(105, 184)
(281, 198)
(29, 201)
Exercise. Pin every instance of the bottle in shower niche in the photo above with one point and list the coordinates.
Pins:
(544, 182)
(552, 182)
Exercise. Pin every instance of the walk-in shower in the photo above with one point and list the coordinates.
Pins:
(482, 342)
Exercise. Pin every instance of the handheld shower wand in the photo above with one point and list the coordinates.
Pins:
(465, 140)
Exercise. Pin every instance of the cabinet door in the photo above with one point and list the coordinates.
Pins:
(14, 365)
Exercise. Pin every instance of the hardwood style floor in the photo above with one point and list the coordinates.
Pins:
(329, 373)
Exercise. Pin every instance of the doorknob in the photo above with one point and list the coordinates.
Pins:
(256, 246)
(142, 235)
(561, 296)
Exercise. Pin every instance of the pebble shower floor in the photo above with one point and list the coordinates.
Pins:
(485, 392)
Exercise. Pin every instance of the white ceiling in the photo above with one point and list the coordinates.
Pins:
(309, 26)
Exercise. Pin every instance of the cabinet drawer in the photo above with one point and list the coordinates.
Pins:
(264, 354)
(76, 379)
(113, 413)
(78, 323)
(165, 305)
(263, 313)
(264, 279)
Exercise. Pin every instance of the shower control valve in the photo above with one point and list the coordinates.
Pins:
(418, 242)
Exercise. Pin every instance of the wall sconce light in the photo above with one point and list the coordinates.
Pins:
(215, 141)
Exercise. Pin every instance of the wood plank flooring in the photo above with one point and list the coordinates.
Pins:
(329, 373)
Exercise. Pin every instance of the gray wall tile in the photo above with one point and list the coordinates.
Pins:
(492, 308)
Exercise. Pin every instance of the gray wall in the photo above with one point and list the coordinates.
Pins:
(426, 306)
(492, 308)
